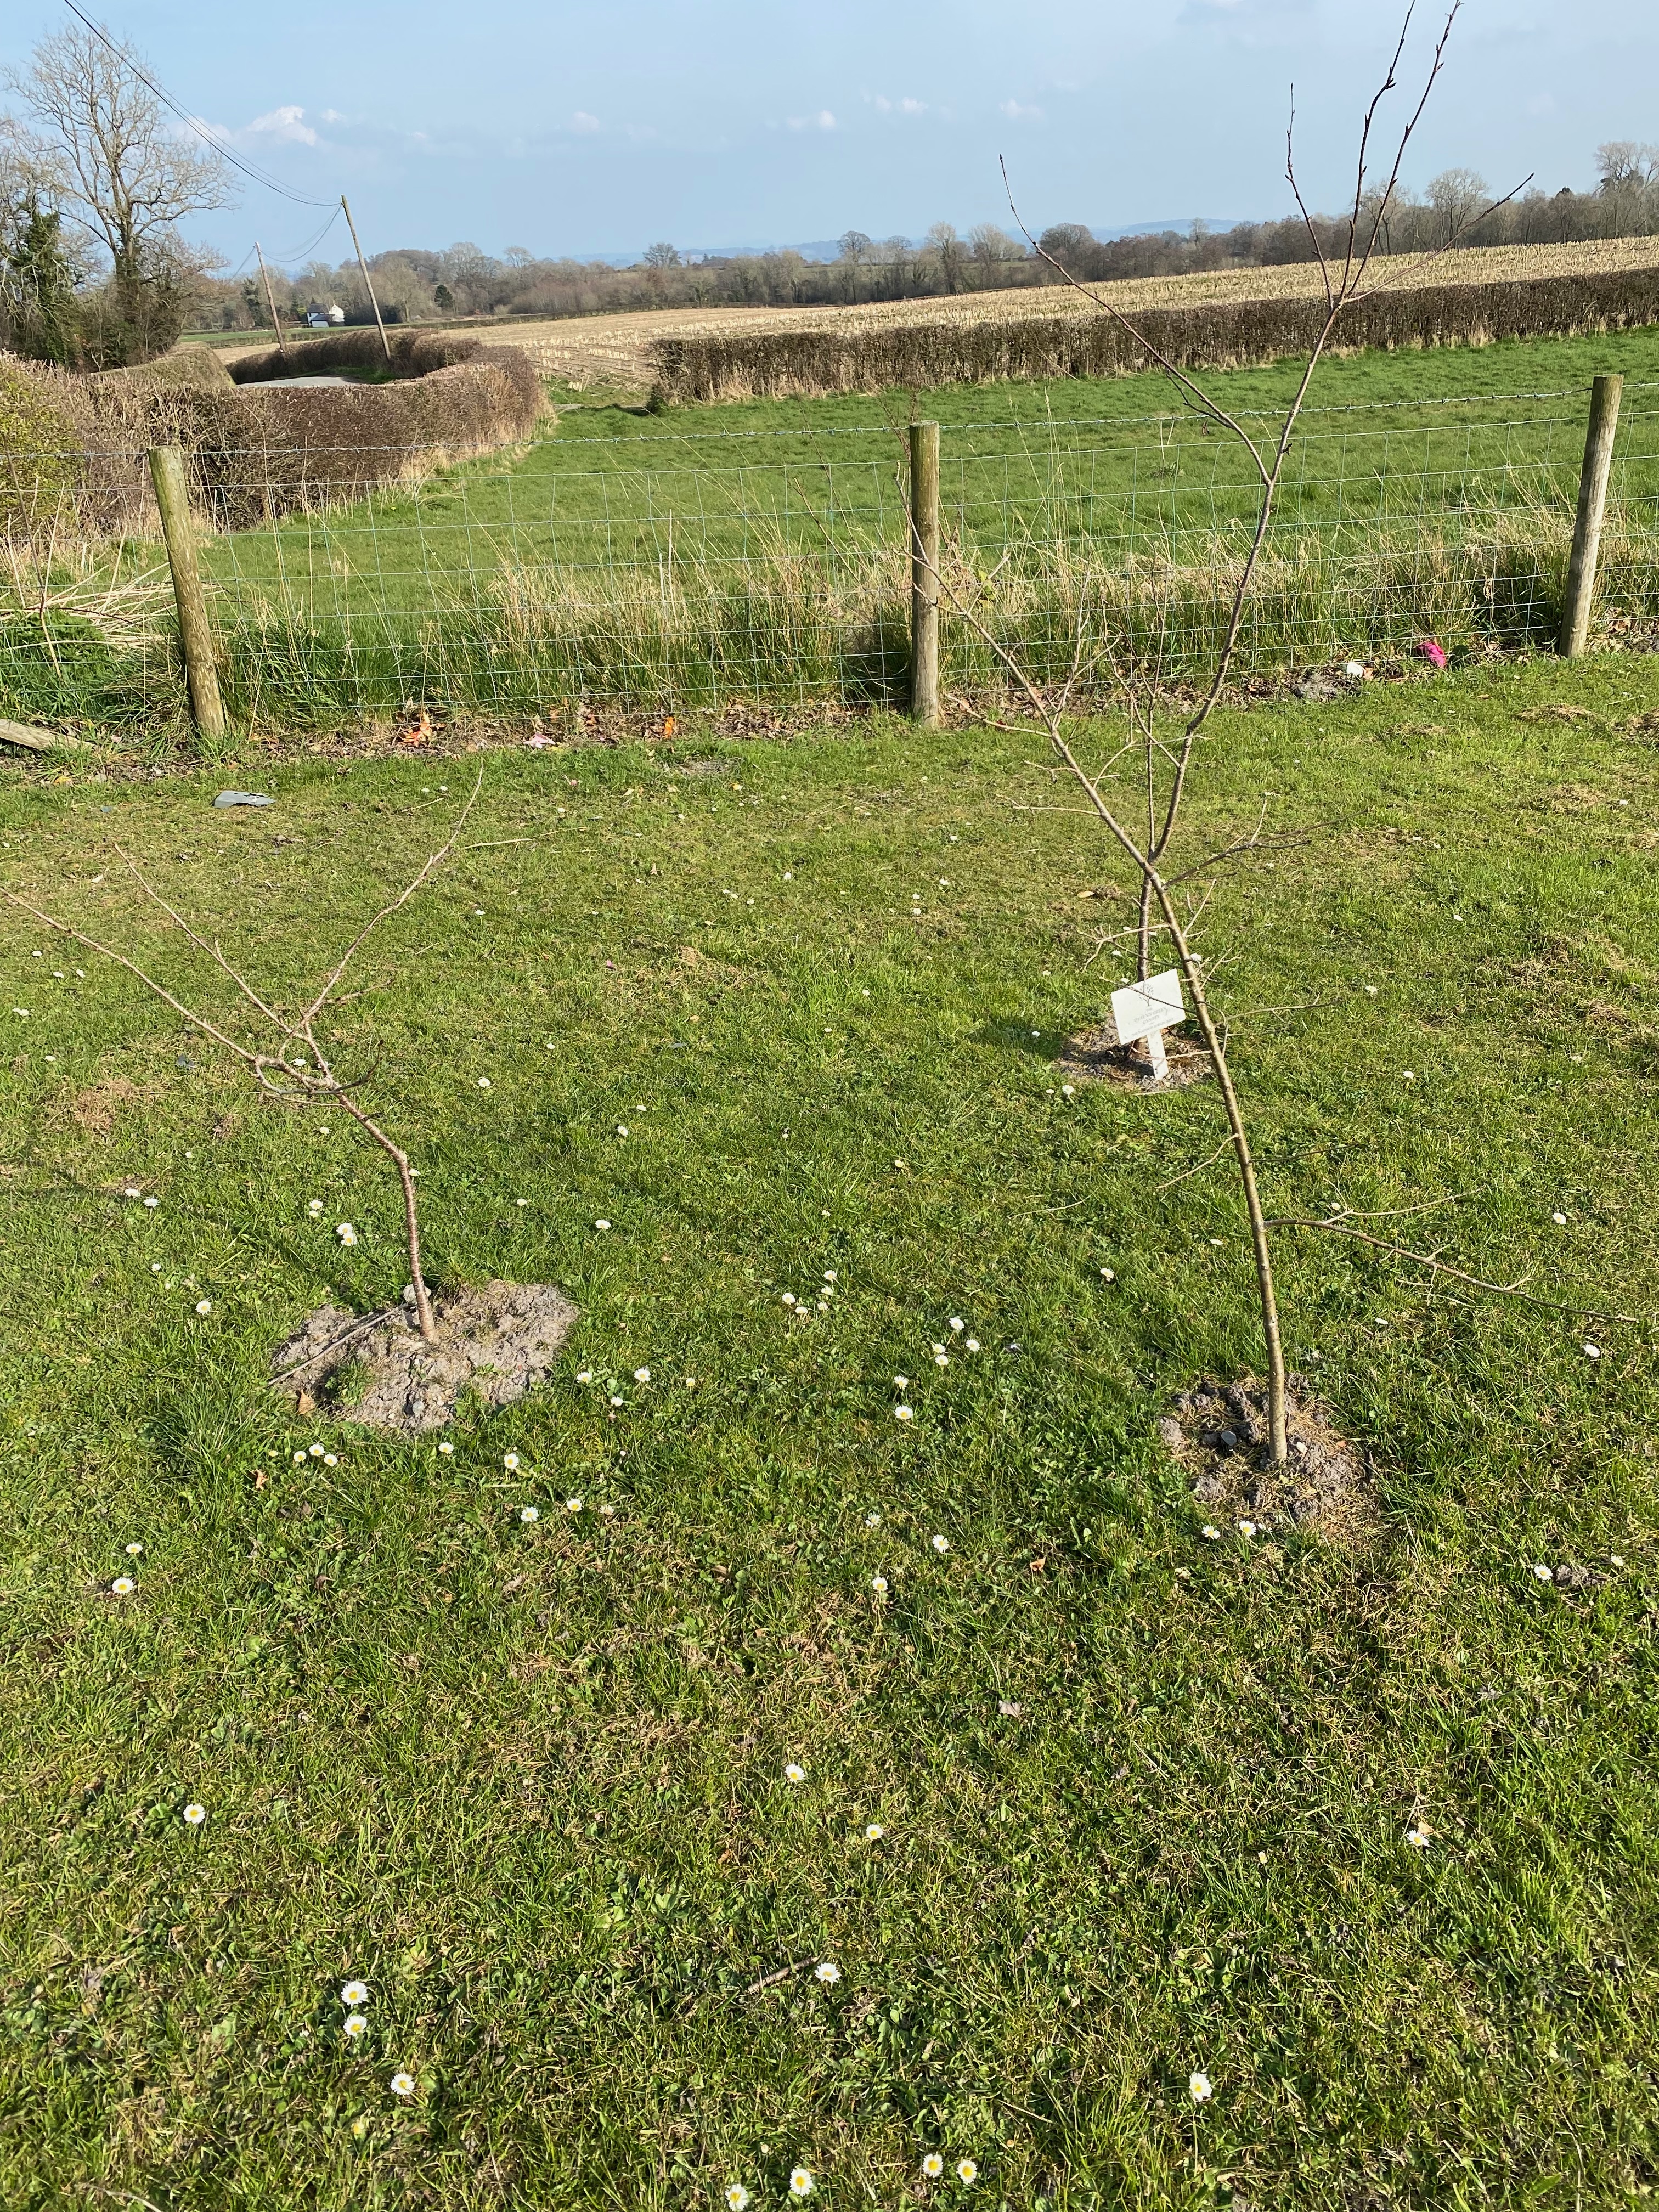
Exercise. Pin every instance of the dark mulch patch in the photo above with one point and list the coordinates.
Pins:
(1096, 1056)
(1217, 1432)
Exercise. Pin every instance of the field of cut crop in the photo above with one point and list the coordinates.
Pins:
(707, 1776)
(613, 351)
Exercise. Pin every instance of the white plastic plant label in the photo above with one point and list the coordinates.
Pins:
(1146, 1010)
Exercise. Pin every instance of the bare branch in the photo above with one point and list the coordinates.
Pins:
(201, 943)
(1439, 1267)
(386, 911)
(252, 1060)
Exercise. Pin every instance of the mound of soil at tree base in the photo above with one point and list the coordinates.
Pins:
(1096, 1056)
(1218, 1431)
(496, 1339)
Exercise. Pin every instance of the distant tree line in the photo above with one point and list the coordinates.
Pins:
(417, 284)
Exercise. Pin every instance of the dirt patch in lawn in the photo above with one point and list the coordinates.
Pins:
(95, 1109)
(1217, 1432)
(1096, 1056)
(495, 1341)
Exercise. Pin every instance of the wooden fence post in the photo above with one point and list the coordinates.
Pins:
(1592, 505)
(166, 469)
(924, 573)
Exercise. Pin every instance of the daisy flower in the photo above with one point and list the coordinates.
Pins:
(1560, 1219)
(447, 1449)
(356, 2028)
(484, 1083)
(1246, 1527)
(874, 1833)
(801, 2183)
(315, 1209)
(330, 1460)
(510, 1461)
(586, 1375)
(194, 1815)
(827, 1972)
(152, 1203)
(737, 2197)
(402, 2085)
(1544, 1574)
(1211, 1532)
(793, 1773)
(602, 1224)
(878, 1583)
(134, 1551)
(967, 2171)
(299, 1459)
(973, 1344)
(353, 1995)
(941, 1545)
(904, 1412)
(873, 1520)
(956, 1325)
(318, 1452)
(642, 1374)
(1199, 2089)
(530, 1513)
(932, 2165)
(1418, 1837)
(573, 1504)
(124, 1586)
(345, 1233)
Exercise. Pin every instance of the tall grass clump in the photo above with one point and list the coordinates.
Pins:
(807, 629)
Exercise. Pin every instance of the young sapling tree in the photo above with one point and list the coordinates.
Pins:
(290, 1076)
(1168, 767)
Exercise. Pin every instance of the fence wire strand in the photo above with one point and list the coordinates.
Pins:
(657, 571)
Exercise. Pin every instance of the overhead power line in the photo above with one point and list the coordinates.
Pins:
(248, 168)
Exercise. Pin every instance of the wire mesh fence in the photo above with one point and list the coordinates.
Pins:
(664, 569)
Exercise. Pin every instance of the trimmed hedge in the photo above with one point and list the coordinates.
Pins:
(761, 364)
(73, 448)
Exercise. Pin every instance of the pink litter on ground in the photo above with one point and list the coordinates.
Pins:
(1431, 649)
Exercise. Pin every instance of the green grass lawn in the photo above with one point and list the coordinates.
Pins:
(1144, 1794)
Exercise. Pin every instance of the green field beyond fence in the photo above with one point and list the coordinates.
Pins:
(761, 554)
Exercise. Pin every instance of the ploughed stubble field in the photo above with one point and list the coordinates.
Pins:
(1087, 1800)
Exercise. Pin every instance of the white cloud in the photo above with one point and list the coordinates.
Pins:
(582, 121)
(283, 126)
(1016, 113)
(821, 121)
(883, 105)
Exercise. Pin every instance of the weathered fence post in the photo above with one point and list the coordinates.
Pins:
(924, 573)
(166, 469)
(1592, 505)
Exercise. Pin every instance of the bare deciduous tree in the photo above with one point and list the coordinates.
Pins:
(1346, 279)
(101, 146)
(291, 1079)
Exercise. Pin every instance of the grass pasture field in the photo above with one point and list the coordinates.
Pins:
(1144, 1794)
(757, 552)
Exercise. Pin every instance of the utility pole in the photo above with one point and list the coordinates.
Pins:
(364, 265)
(270, 301)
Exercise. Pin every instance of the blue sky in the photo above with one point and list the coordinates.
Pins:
(578, 125)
